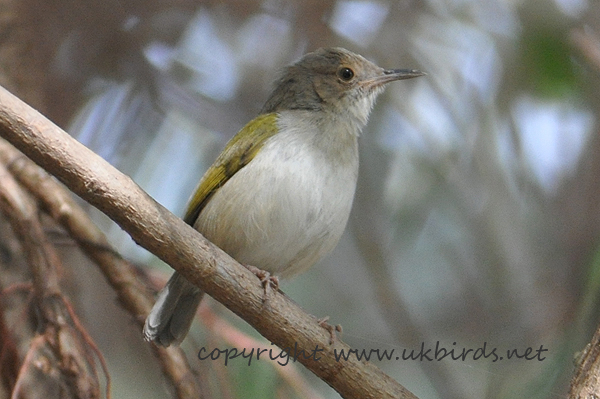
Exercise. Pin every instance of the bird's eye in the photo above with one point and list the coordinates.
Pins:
(346, 74)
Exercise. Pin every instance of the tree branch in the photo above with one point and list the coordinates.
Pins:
(586, 378)
(155, 228)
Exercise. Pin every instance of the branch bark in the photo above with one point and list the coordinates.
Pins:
(586, 378)
(159, 231)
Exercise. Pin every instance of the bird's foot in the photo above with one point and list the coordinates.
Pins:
(333, 330)
(268, 281)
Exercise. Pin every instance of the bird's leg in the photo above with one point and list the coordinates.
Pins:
(333, 330)
(268, 282)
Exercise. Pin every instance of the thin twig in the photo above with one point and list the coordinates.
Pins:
(132, 294)
(70, 350)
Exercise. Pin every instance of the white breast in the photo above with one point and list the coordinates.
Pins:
(289, 206)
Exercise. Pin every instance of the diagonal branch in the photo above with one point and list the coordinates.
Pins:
(153, 227)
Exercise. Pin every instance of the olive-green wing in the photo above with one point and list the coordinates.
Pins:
(238, 152)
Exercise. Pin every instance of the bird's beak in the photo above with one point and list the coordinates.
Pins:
(389, 75)
(399, 74)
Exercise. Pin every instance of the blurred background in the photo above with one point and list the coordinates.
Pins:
(477, 215)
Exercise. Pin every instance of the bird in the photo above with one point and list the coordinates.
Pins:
(279, 195)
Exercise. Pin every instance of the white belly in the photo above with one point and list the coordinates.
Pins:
(287, 208)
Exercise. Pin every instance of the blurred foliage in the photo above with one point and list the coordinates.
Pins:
(476, 217)
(549, 68)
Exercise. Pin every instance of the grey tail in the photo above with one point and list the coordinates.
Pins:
(171, 317)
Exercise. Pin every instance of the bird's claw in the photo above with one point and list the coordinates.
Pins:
(266, 279)
(333, 330)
